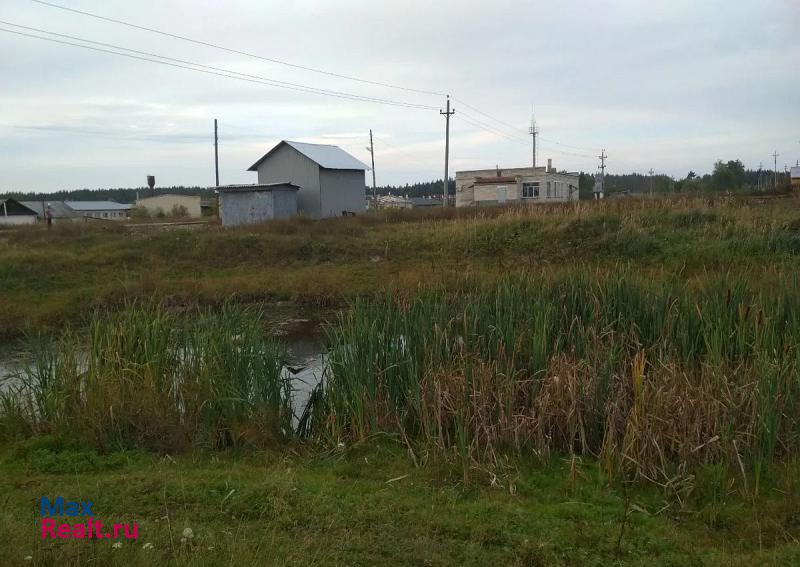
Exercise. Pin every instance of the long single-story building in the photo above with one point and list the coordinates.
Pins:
(13, 212)
(517, 185)
(330, 181)
(169, 204)
(252, 204)
(105, 210)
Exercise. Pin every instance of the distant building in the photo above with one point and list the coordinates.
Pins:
(59, 211)
(12, 212)
(252, 204)
(795, 177)
(393, 202)
(168, 204)
(330, 181)
(106, 210)
(518, 185)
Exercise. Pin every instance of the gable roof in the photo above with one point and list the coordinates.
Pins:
(329, 157)
(82, 206)
(14, 207)
(283, 186)
(59, 209)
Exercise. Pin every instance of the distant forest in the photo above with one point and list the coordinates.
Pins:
(726, 176)
(120, 195)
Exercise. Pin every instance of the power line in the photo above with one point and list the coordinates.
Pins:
(236, 51)
(513, 128)
(200, 68)
(481, 126)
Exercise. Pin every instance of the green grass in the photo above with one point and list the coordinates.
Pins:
(371, 506)
(49, 277)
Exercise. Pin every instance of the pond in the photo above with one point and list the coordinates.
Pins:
(304, 366)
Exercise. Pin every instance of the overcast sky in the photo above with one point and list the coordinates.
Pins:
(673, 85)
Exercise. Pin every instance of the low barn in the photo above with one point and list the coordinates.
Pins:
(330, 181)
(251, 204)
(59, 211)
(14, 212)
(105, 210)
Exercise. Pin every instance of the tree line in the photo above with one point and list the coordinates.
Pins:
(726, 176)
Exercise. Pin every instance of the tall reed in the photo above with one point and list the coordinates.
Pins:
(148, 378)
(653, 377)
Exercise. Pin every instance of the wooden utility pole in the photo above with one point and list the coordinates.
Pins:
(446, 181)
(374, 188)
(533, 131)
(775, 156)
(216, 153)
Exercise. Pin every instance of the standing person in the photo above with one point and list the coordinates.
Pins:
(49, 215)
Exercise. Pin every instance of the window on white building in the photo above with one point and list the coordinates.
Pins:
(548, 189)
(530, 190)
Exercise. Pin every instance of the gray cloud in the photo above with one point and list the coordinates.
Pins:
(672, 85)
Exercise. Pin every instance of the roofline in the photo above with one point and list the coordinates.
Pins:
(7, 199)
(289, 143)
(257, 187)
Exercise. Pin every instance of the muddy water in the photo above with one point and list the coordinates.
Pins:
(304, 366)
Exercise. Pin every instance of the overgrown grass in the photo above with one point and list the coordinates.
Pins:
(655, 379)
(49, 277)
(149, 378)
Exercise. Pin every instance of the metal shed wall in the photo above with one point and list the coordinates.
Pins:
(287, 164)
(342, 190)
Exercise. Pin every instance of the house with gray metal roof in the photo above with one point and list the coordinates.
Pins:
(13, 212)
(59, 211)
(330, 181)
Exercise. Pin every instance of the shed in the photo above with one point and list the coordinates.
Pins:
(795, 177)
(252, 204)
(170, 204)
(14, 212)
(330, 181)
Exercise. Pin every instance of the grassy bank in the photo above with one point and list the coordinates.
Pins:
(49, 277)
(359, 506)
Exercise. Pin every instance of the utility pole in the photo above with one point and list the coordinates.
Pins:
(446, 182)
(775, 156)
(533, 131)
(601, 193)
(371, 149)
(651, 180)
(760, 167)
(216, 153)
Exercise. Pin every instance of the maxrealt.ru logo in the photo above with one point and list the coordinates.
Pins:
(87, 528)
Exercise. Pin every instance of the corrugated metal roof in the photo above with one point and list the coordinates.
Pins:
(82, 206)
(59, 208)
(257, 187)
(11, 202)
(329, 157)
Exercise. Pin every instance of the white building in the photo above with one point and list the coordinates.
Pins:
(171, 205)
(12, 212)
(517, 185)
(106, 210)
